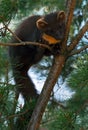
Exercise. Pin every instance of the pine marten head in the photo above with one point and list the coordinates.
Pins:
(52, 27)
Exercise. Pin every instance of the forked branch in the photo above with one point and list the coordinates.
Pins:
(56, 69)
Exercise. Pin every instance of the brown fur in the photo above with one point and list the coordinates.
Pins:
(44, 29)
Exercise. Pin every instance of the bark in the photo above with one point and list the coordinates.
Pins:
(55, 71)
(70, 10)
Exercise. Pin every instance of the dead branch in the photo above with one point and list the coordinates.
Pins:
(14, 115)
(61, 105)
(14, 35)
(78, 51)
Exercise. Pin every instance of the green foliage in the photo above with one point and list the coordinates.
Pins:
(63, 120)
(73, 115)
(6, 104)
(7, 9)
(80, 82)
(12, 114)
(33, 4)
(68, 68)
(24, 115)
(3, 62)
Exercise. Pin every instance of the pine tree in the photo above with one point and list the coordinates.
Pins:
(67, 115)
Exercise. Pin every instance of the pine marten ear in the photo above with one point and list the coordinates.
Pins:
(41, 23)
(61, 16)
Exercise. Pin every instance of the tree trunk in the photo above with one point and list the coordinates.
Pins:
(55, 71)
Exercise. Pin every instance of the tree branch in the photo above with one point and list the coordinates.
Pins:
(14, 35)
(21, 42)
(26, 43)
(78, 37)
(78, 51)
(14, 115)
(70, 10)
